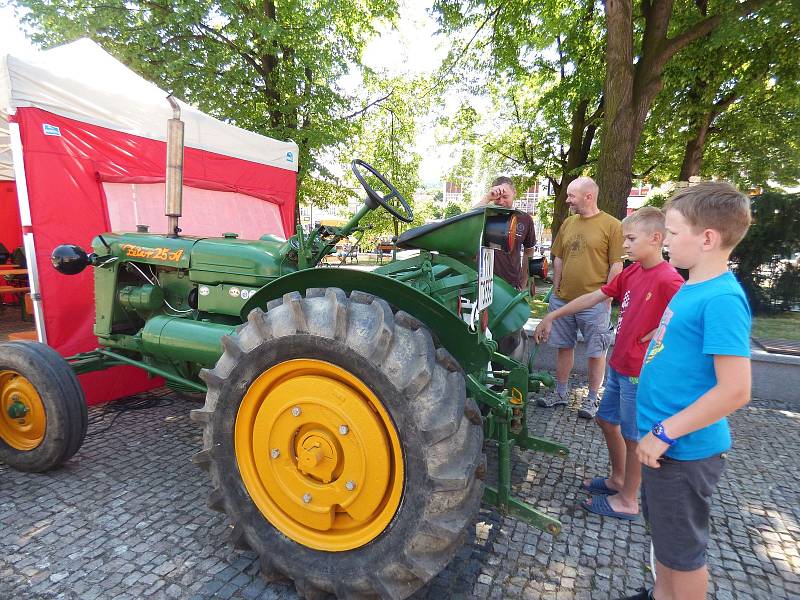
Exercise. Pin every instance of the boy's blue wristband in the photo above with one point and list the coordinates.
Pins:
(658, 431)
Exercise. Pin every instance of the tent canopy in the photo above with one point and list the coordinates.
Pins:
(84, 139)
(81, 81)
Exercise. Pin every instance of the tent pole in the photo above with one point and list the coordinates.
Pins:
(27, 235)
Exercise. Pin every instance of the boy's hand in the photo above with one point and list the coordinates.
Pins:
(542, 332)
(650, 450)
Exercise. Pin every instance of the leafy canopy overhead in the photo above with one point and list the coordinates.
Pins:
(268, 66)
(737, 112)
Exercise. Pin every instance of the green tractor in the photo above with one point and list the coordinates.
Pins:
(345, 411)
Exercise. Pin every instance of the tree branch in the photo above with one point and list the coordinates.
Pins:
(706, 26)
(228, 42)
(647, 172)
(368, 106)
(449, 69)
(503, 154)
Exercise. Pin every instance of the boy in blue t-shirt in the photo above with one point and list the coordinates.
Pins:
(696, 372)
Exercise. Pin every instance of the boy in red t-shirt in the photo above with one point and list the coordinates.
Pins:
(643, 290)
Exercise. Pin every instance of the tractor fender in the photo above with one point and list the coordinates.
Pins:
(449, 330)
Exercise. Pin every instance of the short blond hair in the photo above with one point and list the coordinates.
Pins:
(648, 218)
(714, 205)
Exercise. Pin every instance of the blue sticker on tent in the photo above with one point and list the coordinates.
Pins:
(51, 129)
(290, 157)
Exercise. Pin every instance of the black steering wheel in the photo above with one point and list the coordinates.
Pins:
(374, 198)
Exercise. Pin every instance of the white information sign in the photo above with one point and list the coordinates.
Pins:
(485, 278)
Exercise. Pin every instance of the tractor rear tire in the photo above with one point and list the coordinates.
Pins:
(420, 391)
(35, 378)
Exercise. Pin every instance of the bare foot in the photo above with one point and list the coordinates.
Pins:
(617, 504)
(610, 484)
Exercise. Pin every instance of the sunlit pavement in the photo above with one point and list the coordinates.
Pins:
(127, 518)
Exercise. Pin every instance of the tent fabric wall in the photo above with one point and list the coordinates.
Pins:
(64, 174)
(83, 82)
(10, 228)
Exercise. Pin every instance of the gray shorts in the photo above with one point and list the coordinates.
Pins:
(676, 503)
(593, 324)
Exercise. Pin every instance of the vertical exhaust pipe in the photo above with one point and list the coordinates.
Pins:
(174, 176)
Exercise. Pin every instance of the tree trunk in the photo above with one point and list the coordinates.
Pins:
(560, 209)
(581, 138)
(630, 88)
(693, 154)
(618, 146)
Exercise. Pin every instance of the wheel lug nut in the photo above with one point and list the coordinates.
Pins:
(275, 453)
(350, 486)
(343, 429)
(306, 498)
(296, 411)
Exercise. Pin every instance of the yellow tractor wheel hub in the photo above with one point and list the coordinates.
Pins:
(319, 455)
(23, 420)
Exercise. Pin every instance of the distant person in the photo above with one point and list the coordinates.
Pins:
(511, 266)
(588, 254)
(696, 372)
(643, 290)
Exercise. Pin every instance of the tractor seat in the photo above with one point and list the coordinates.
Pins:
(407, 238)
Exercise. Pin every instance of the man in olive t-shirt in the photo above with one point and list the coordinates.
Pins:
(588, 254)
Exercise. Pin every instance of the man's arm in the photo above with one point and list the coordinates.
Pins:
(731, 393)
(486, 199)
(558, 265)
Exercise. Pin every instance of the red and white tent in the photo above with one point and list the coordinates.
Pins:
(83, 147)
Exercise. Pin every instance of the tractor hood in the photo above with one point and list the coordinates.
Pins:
(210, 260)
(462, 236)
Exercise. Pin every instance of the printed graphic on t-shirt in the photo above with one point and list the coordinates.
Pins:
(626, 300)
(657, 345)
(577, 246)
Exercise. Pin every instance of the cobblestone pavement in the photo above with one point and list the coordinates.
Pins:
(127, 518)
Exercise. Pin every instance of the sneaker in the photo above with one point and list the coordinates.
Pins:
(588, 409)
(555, 400)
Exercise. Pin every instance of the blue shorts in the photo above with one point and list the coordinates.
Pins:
(618, 404)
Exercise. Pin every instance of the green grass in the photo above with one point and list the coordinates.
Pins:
(539, 306)
(785, 326)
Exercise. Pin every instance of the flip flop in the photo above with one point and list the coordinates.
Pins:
(598, 486)
(600, 506)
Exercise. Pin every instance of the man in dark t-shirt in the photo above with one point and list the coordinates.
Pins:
(512, 266)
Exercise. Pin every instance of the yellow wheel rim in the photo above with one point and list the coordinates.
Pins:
(319, 455)
(22, 417)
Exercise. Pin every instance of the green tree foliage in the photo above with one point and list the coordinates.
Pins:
(765, 260)
(451, 210)
(542, 68)
(734, 117)
(385, 139)
(640, 44)
(267, 66)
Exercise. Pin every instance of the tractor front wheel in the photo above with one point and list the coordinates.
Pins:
(43, 415)
(341, 444)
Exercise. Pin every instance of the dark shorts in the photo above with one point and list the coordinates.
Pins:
(676, 502)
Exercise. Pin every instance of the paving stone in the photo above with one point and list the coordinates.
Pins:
(126, 518)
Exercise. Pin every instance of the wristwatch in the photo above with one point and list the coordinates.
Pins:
(658, 431)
